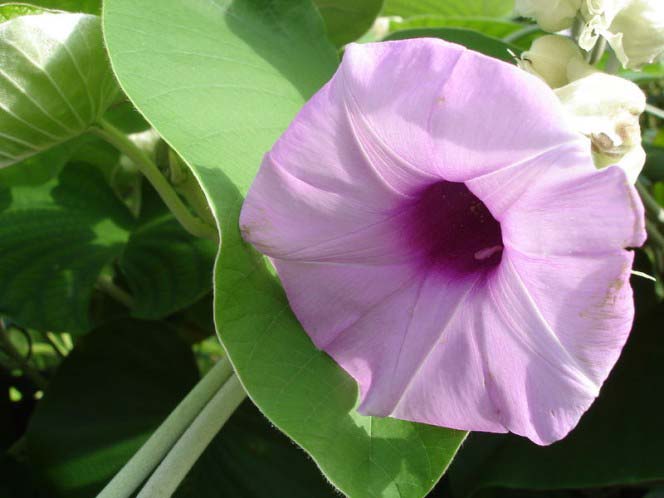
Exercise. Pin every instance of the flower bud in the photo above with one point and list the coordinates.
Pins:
(549, 57)
(606, 109)
(551, 15)
(637, 33)
(598, 16)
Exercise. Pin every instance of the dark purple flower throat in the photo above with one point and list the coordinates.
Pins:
(451, 229)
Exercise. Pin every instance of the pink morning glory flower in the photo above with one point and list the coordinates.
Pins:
(443, 234)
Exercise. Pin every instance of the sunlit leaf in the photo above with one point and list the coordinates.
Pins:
(460, 8)
(497, 28)
(54, 81)
(220, 82)
(473, 40)
(55, 239)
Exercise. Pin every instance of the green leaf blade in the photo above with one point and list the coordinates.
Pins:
(220, 88)
(347, 20)
(55, 238)
(459, 8)
(54, 81)
(474, 40)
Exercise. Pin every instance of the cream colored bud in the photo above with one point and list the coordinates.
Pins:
(598, 16)
(551, 15)
(548, 58)
(606, 109)
(637, 33)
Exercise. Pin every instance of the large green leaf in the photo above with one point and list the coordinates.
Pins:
(347, 20)
(250, 459)
(461, 8)
(619, 440)
(109, 394)
(220, 81)
(497, 28)
(9, 11)
(55, 238)
(86, 6)
(54, 81)
(473, 40)
(166, 268)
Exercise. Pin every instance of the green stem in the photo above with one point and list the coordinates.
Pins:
(597, 51)
(612, 64)
(655, 111)
(106, 284)
(191, 445)
(55, 344)
(34, 375)
(577, 26)
(654, 235)
(186, 184)
(170, 197)
(139, 467)
(520, 33)
(652, 206)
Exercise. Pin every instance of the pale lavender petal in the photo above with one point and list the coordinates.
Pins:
(414, 99)
(442, 233)
(576, 212)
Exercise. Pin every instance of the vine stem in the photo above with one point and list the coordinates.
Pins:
(652, 206)
(139, 467)
(520, 33)
(655, 111)
(20, 361)
(191, 445)
(191, 223)
(105, 284)
(55, 344)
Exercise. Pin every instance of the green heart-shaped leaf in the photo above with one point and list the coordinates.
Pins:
(54, 81)
(474, 40)
(220, 81)
(461, 8)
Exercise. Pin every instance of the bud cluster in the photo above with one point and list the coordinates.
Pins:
(603, 107)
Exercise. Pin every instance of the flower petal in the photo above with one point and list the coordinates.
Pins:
(325, 192)
(502, 367)
(573, 211)
(416, 101)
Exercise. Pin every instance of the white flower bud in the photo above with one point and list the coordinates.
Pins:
(637, 33)
(598, 16)
(551, 15)
(606, 109)
(549, 57)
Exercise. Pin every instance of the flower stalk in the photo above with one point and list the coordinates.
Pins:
(141, 465)
(189, 222)
(193, 442)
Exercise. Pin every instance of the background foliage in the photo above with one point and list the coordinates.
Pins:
(107, 302)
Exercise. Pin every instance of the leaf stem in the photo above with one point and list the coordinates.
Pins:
(191, 445)
(520, 33)
(139, 467)
(597, 51)
(106, 284)
(652, 206)
(6, 344)
(55, 344)
(655, 111)
(191, 223)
